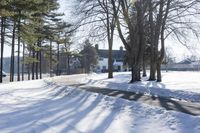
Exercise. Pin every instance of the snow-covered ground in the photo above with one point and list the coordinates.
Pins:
(180, 85)
(40, 106)
(7, 78)
(44, 107)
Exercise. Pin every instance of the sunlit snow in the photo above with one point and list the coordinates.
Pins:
(50, 106)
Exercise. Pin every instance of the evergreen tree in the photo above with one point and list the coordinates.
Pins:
(89, 57)
(30, 23)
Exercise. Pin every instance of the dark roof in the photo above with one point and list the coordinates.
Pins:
(116, 54)
(186, 61)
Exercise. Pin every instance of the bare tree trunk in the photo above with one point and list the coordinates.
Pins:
(158, 67)
(68, 64)
(135, 74)
(29, 74)
(23, 64)
(12, 61)
(139, 43)
(152, 27)
(29, 67)
(40, 56)
(152, 76)
(110, 43)
(58, 59)
(144, 73)
(162, 51)
(33, 65)
(37, 65)
(160, 59)
(2, 47)
(110, 26)
(51, 74)
(18, 52)
(155, 34)
(18, 61)
(110, 63)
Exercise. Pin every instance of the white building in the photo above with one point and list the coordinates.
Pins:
(118, 59)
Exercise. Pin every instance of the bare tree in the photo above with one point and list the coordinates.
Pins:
(134, 15)
(144, 23)
(100, 14)
(2, 46)
(173, 17)
(157, 29)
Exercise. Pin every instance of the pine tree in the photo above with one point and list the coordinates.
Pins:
(26, 22)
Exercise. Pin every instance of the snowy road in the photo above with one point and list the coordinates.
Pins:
(166, 103)
(178, 85)
(88, 82)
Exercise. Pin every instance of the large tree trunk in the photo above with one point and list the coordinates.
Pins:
(50, 64)
(2, 47)
(144, 73)
(29, 67)
(162, 51)
(158, 67)
(155, 34)
(37, 63)
(110, 23)
(139, 43)
(110, 63)
(18, 51)
(152, 31)
(40, 56)
(33, 65)
(135, 47)
(12, 60)
(152, 76)
(135, 74)
(23, 64)
(58, 60)
(161, 57)
(68, 64)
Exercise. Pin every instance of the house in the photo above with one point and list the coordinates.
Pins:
(184, 65)
(118, 59)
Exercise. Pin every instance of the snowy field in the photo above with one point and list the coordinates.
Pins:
(44, 107)
(180, 85)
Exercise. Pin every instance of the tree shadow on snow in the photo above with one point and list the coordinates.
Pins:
(59, 114)
(167, 103)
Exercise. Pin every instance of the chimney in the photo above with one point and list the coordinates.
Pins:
(121, 48)
(97, 47)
